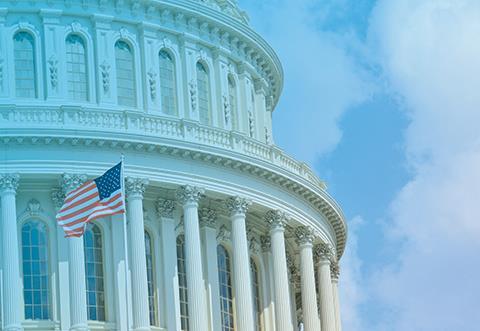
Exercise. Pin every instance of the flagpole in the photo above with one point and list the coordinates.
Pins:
(127, 299)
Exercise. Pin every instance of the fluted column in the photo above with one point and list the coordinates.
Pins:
(304, 238)
(12, 290)
(335, 271)
(283, 315)
(76, 266)
(189, 196)
(135, 188)
(323, 253)
(237, 207)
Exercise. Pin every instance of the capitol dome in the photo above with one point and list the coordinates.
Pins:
(224, 230)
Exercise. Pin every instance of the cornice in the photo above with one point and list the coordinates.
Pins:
(302, 187)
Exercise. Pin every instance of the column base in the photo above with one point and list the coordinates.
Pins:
(142, 328)
(79, 327)
(13, 327)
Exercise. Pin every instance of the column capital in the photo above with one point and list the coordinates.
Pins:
(70, 182)
(189, 194)
(265, 243)
(135, 187)
(165, 207)
(277, 219)
(58, 197)
(207, 217)
(335, 270)
(9, 183)
(237, 205)
(304, 235)
(323, 252)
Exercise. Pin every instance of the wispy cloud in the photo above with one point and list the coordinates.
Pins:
(322, 78)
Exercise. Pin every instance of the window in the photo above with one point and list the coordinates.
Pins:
(125, 74)
(232, 95)
(36, 285)
(93, 246)
(225, 281)
(257, 308)
(168, 89)
(150, 279)
(76, 68)
(203, 86)
(182, 282)
(25, 82)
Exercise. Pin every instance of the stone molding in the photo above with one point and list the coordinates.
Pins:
(303, 188)
(323, 252)
(70, 181)
(188, 194)
(135, 187)
(304, 235)
(207, 217)
(58, 197)
(165, 207)
(9, 182)
(265, 243)
(224, 234)
(237, 205)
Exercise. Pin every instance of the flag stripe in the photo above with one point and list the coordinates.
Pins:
(75, 193)
(85, 216)
(78, 203)
(86, 207)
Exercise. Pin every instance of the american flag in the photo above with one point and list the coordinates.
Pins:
(95, 199)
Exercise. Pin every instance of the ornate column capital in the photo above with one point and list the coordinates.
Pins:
(135, 187)
(189, 194)
(9, 183)
(335, 270)
(207, 217)
(58, 197)
(323, 252)
(304, 235)
(277, 219)
(237, 205)
(265, 243)
(165, 208)
(70, 182)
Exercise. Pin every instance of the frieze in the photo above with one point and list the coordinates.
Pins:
(165, 207)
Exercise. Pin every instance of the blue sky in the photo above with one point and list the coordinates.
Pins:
(382, 99)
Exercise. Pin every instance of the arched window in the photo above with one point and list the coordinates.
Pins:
(25, 67)
(168, 90)
(232, 95)
(203, 86)
(225, 282)
(257, 308)
(150, 279)
(93, 245)
(76, 68)
(182, 282)
(126, 91)
(36, 285)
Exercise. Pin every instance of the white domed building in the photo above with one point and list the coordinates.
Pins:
(224, 230)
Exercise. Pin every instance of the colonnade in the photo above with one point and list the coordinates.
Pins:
(326, 317)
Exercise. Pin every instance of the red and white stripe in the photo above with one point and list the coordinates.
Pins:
(83, 205)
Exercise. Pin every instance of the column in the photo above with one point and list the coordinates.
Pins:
(76, 266)
(165, 211)
(237, 207)
(135, 187)
(12, 288)
(208, 235)
(58, 197)
(189, 196)
(327, 314)
(335, 271)
(283, 315)
(269, 300)
(304, 238)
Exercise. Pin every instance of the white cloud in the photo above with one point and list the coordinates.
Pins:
(431, 56)
(322, 80)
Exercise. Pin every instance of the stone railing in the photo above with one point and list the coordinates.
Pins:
(13, 118)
